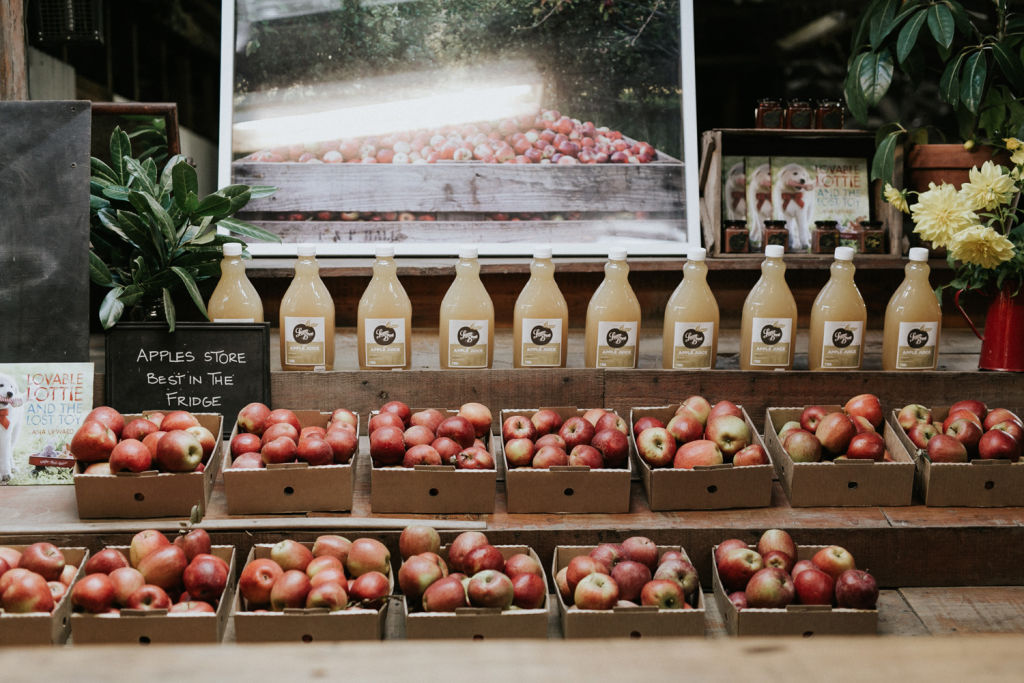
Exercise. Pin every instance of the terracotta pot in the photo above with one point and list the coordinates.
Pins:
(1002, 345)
(947, 163)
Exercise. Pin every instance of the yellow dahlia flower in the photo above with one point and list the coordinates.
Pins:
(989, 187)
(1013, 144)
(1017, 158)
(897, 198)
(940, 213)
(982, 246)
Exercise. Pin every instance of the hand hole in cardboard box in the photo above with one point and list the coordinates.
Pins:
(851, 485)
(433, 492)
(712, 489)
(990, 485)
(288, 490)
(144, 640)
(478, 636)
(636, 635)
(808, 634)
(568, 492)
(139, 497)
(307, 638)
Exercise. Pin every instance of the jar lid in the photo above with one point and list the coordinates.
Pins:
(918, 254)
(617, 253)
(232, 249)
(384, 251)
(844, 253)
(542, 252)
(774, 251)
(306, 249)
(696, 253)
(468, 252)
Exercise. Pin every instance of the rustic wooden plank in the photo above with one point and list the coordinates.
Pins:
(465, 186)
(968, 609)
(896, 618)
(13, 72)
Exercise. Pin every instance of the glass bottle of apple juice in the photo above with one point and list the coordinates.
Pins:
(234, 299)
(613, 318)
(690, 335)
(384, 321)
(307, 317)
(768, 323)
(466, 328)
(913, 320)
(838, 319)
(540, 322)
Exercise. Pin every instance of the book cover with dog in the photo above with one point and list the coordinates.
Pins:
(759, 196)
(41, 407)
(808, 189)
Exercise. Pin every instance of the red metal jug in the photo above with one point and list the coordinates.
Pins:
(1002, 345)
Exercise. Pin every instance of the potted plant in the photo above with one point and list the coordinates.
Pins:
(971, 55)
(981, 225)
(152, 236)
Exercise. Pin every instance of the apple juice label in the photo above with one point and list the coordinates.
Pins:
(917, 346)
(305, 341)
(542, 342)
(385, 342)
(467, 343)
(772, 341)
(616, 344)
(841, 344)
(233, 320)
(692, 346)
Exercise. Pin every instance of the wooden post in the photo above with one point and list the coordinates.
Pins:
(13, 71)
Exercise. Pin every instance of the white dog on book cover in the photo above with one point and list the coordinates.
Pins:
(11, 418)
(793, 202)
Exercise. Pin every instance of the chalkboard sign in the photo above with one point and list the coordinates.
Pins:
(200, 367)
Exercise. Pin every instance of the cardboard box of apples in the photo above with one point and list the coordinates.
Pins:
(291, 461)
(566, 459)
(779, 588)
(966, 453)
(699, 456)
(830, 455)
(34, 599)
(631, 589)
(328, 590)
(155, 590)
(153, 464)
(470, 588)
(426, 460)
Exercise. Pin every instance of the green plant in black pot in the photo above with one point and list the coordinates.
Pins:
(151, 235)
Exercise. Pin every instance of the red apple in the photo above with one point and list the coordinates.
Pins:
(730, 433)
(699, 407)
(641, 549)
(856, 589)
(369, 590)
(142, 544)
(291, 554)
(738, 600)
(998, 415)
(430, 418)
(248, 461)
(866, 446)
(281, 416)
(329, 595)
(549, 456)
(576, 431)
(562, 585)
(1012, 428)
(178, 420)
(546, 421)
(587, 456)
(521, 563)
(811, 416)
(446, 448)
(126, 580)
(385, 420)
(631, 577)
(914, 412)
(106, 561)
(474, 458)
(67, 575)
(788, 428)
(290, 590)
(581, 566)
(368, 555)
(421, 455)
(867, 406)
(518, 427)
(736, 566)
(656, 446)
(191, 607)
(92, 442)
(152, 439)
(130, 455)
(93, 593)
(834, 432)
(779, 560)
(342, 417)
(329, 575)
(802, 446)
(490, 588)
(205, 578)
(723, 408)
(682, 572)
(333, 545)
(700, 453)
(966, 432)
(483, 557)
(245, 443)
(277, 451)
(977, 407)
(178, 451)
(801, 566)
(398, 408)
(961, 413)
(754, 454)
(344, 443)
(164, 566)
(195, 542)
(478, 415)
(26, 591)
(57, 591)
(593, 415)
(417, 435)
(776, 539)
(646, 423)
(813, 587)
(946, 448)
(833, 560)
(997, 444)
(529, 591)
(920, 433)
(460, 548)
(387, 446)
(445, 595)
(663, 594)
(109, 417)
(322, 564)
(100, 468)
(418, 538)
(416, 574)
(725, 546)
(44, 559)
(684, 427)
(611, 421)
(613, 445)
(138, 429)
(256, 581)
(770, 587)
(596, 591)
(252, 418)
(519, 452)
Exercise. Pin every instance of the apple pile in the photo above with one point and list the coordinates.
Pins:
(269, 437)
(480, 575)
(181, 577)
(969, 431)
(629, 574)
(334, 573)
(546, 137)
(34, 579)
(402, 438)
(171, 442)
(770, 577)
(698, 435)
(597, 439)
(832, 435)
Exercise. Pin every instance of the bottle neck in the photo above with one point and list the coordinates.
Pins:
(616, 270)
(695, 271)
(467, 268)
(773, 268)
(842, 271)
(307, 266)
(233, 266)
(384, 268)
(917, 271)
(542, 268)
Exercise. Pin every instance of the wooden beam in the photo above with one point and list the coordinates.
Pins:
(13, 66)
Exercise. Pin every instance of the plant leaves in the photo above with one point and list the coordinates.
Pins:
(98, 271)
(160, 216)
(884, 162)
(110, 222)
(120, 148)
(185, 182)
(941, 24)
(908, 35)
(874, 74)
(111, 308)
(240, 227)
(190, 286)
(854, 95)
(1011, 68)
(972, 85)
(116, 192)
(169, 313)
(97, 204)
(260, 191)
(214, 205)
(166, 176)
(882, 22)
(141, 176)
(949, 84)
(99, 169)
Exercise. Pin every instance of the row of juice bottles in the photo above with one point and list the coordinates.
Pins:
(540, 326)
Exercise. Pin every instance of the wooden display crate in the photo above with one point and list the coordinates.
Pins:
(791, 143)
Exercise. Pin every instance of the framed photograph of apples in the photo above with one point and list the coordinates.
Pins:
(151, 492)
(252, 486)
(25, 621)
(262, 623)
(730, 484)
(843, 481)
(627, 617)
(433, 476)
(159, 626)
(546, 477)
(792, 620)
(986, 472)
(475, 623)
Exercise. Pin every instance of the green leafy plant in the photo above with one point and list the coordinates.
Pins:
(976, 57)
(151, 235)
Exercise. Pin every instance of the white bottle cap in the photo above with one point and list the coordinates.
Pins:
(844, 253)
(617, 254)
(918, 254)
(542, 252)
(306, 250)
(468, 252)
(696, 253)
(384, 251)
(232, 249)
(774, 251)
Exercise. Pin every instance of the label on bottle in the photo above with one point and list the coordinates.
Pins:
(467, 343)
(916, 347)
(771, 341)
(616, 344)
(841, 344)
(305, 341)
(542, 342)
(234, 320)
(385, 342)
(692, 345)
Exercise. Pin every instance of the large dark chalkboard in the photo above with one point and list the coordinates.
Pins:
(44, 231)
(200, 367)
